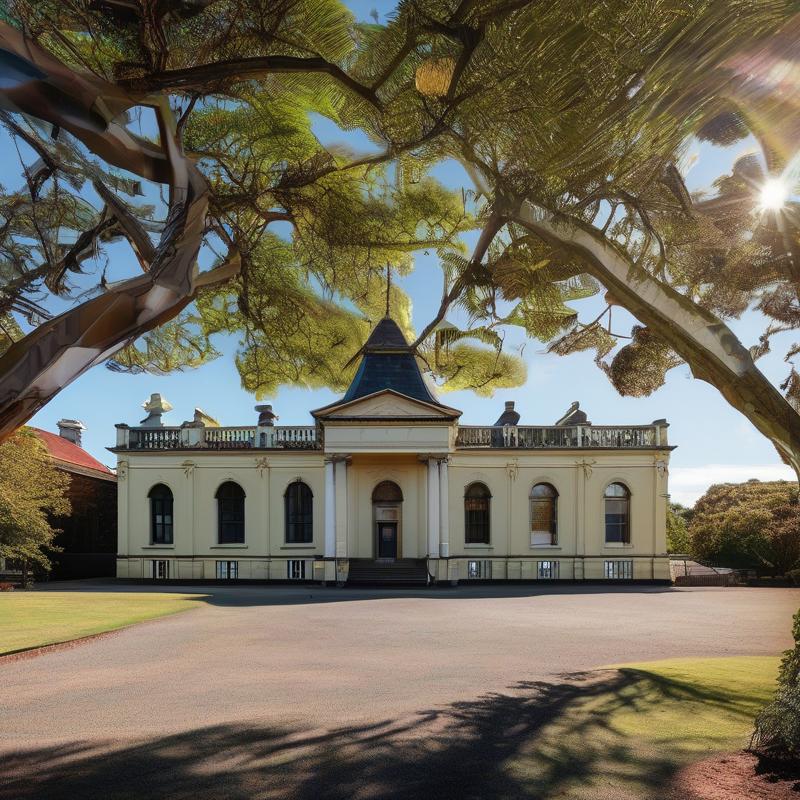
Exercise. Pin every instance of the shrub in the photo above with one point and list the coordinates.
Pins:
(6, 587)
(751, 525)
(777, 732)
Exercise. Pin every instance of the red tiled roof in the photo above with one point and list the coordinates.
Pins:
(63, 450)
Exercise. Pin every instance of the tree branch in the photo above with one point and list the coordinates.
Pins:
(204, 76)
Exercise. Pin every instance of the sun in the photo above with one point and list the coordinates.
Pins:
(774, 194)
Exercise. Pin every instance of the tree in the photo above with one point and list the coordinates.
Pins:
(678, 539)
(31, 491)
(748, 525)
(571, 118)
(230, 87)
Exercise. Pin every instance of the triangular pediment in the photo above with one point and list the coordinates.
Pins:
(386, 404)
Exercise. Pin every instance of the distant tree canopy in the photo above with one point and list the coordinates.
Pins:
(572, 120)
(748, 525)
(31, 491)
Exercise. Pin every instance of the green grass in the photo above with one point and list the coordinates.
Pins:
(33, 619)
(625, 732)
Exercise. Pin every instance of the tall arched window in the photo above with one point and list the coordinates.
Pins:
(618, 509)
(299, 505)
(476, 514)
(544, 514)
(230, 513)
(160, 514)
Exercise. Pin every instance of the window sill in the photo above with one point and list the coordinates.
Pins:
(618, 546)
(158, 547)
(298, 547)
(478, 547)
(545, 547)
(228, 547)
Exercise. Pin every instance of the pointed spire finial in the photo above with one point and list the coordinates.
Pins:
(388, 285)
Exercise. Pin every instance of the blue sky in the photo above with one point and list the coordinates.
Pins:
(715, 443)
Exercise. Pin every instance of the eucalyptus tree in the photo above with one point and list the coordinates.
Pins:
(573, 120)
(107, 100)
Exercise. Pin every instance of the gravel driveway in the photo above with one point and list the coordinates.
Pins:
(314, 660)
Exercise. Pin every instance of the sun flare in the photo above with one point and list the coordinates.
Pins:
(774, 194)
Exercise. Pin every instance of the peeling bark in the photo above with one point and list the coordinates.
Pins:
(34, 369)
(708, 346)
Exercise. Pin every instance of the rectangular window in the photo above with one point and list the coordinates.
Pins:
(547, 570)
(296, 569)
(227, 570)
(619, 570)
(479, 569)
(161, 508)
(160, 569)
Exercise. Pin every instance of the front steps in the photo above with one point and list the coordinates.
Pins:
(401, 572)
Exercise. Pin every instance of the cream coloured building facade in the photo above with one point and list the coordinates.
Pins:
(386, 486)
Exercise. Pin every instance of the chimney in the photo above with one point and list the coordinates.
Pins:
(266, 416)
(71, 429)
(509, 416)
(155, 407)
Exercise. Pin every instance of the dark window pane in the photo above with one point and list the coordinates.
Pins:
(299, 509)
(160, 514)
(476, 514)
(230, 511)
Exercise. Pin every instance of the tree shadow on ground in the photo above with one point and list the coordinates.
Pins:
(538, 740)
(243, 594)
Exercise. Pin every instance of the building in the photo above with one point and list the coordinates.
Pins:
(386, 485)
(88, 537)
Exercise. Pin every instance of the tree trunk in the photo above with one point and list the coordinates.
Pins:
(34, 369)
(708, 346)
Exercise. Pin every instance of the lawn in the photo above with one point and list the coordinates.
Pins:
(624, 732)
(33, 619)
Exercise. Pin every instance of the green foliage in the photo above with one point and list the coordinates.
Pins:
(31, 488)
(678, 538)
(582, 109)
(748, 525)
(777, 728)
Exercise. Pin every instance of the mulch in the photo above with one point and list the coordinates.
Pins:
(736, 776)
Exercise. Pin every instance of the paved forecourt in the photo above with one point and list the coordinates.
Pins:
(311, 657)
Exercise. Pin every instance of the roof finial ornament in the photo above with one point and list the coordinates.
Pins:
(388, 285)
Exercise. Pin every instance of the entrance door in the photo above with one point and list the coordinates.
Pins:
(387, 540)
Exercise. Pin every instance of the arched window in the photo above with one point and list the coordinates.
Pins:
(160, 514)
(544, 514)
(387, 492)
(299, 505)
(230, 513)
(476, 514)
(618, 509)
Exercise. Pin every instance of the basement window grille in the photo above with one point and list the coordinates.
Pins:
(227, 570)
(547, 570)
(296, 569)
(160, 569)
(479, 569)
(619, 570)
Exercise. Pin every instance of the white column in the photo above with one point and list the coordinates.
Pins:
(330, 511)
(433, 508)
(340, 488)
(444, 510)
